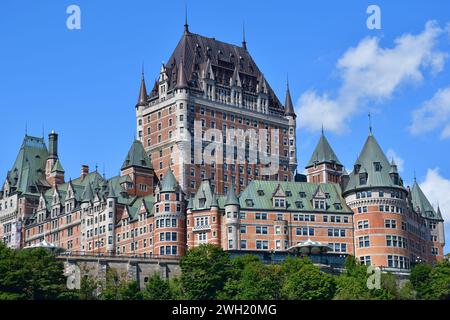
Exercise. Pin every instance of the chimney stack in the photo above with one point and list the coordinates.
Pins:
(84, 171)
(53, 145)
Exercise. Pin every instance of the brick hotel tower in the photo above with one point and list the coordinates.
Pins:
(219, 85)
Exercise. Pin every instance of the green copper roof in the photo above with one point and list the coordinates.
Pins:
(323, 153)
(373, 162)
(299, 196)
(232, 199)
(169, 183)
(28, 171)
(88, 194)
(137, 157)
(57, 167)
(203, 197)
(421, 203)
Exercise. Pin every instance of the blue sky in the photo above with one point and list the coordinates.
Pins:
(84, 83)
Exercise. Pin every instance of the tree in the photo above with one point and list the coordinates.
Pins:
(439, 282)
(110, 288)
(352, 283)
(205, 269)
(31, 274)
(157, 289)
(129, 290)
(305, 281)
(420, 278)
(88, 288)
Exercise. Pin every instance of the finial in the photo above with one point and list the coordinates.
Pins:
(142, 70)
(26, 128)
(370, 123)
(287, 80)
(43, 130)
(415, 175)
(96, 167)
(104, 171)
(322, 128)
(186, 25)
(244, 43)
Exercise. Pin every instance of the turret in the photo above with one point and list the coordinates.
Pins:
(291, 116)
(232, 207)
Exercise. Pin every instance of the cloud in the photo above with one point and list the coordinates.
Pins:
(433, 114)
(437, 189)
(369, 72)
(391, 154)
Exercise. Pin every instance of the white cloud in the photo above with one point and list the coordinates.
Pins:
(391, 154)
(370, 72)
(434, 113)
(437, 190)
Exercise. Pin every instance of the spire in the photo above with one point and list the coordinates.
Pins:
(323, 153)
(244, 43)
(88, 194)
(142, 100)
(370, 123)
(111, 192)
(186, 25)
(137, 157)
(288, 106)
(190, 204)
(181, 77)
(214, 202)
(232, 199)
(169, 182)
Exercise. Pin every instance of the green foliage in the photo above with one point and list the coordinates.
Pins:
(205, 270)
(88, 288)
(110, 289)
(308, 283)
(157, 289)
(352, 283)
(439, 285)
(31, 274)
(129, 290)
(420, 278)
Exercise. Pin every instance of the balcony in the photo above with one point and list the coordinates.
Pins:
(203, 227)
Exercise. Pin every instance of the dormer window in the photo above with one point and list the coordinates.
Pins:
(319, 204)
(202, 202)
(394, 178)
(377, 166)
(249, 202)
(299, 204)
(302, 194)
(363, 178)
(260, 192)
(356, 168)
(279, 203)
(337, 206)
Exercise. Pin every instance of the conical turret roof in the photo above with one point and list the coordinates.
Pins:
(137, 157)
(323, 153)
(232, 199)
(169, 183)
(421, 203)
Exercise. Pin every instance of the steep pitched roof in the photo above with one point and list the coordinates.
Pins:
(192, 54)
(57, 167)
(137, 157)
(258, 195)
(288, 105)
(142, 99)
(369, 156)
(231, 199)
(28, 170)
(421, 203)
(323, 153)
(169, 183)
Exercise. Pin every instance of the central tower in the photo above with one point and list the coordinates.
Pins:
(209, 87)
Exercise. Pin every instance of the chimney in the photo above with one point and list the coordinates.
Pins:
(84, 171)
(53, 145)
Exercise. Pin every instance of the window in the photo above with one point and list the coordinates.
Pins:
(262, 244)
(364, 241)
(390, 223)
(363, 224)
(243, 244)
(319, 204)
(261, 230)
(261, 216)
(398, 262)
(377, 166)
(365, 260)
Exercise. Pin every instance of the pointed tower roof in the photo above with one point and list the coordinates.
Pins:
(214, 201)
(421, 202)
(57, 167)
(111, 192)
(232, 199)
(88, 194)
(190, 204)
(137, 157)
(142, 100)
(181, 77)
(323, 153)
(375, 163)
(244, 42)
(439, 214)
(169, 183)
(288, 105)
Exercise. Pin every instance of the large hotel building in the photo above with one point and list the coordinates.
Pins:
(168, 199)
